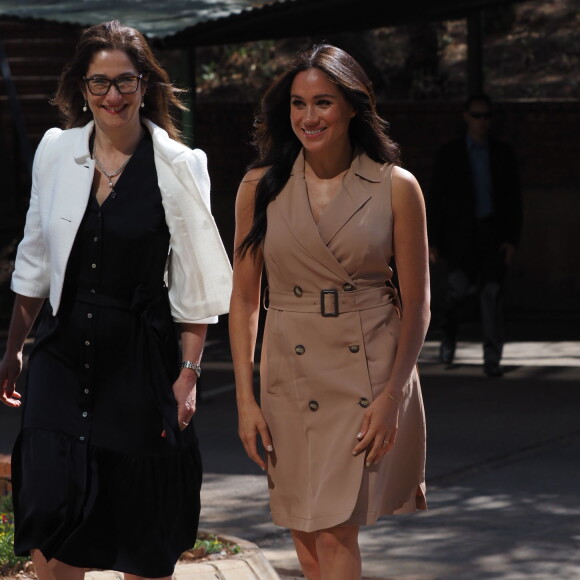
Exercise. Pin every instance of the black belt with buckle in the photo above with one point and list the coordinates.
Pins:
(323, 310)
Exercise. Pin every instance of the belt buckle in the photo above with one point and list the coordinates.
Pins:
(323, 311)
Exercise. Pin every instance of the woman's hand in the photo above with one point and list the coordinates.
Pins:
(379, 429)
(10, 369)
(24, 314)
(251, 423)
(184, 390)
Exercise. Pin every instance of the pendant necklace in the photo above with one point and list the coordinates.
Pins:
(109, 176)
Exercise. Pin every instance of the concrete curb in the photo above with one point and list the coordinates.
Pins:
(249, 564)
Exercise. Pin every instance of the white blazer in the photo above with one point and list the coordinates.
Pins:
(198, 270)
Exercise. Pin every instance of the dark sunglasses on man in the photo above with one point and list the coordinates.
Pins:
(480, 115)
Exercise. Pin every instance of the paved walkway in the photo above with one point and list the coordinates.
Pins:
(502, 478)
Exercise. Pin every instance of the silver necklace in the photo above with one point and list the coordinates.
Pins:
(109, 176)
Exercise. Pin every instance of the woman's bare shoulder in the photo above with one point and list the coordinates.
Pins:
(255, 174)
(403, 178)
(247, 189)
(406, 188)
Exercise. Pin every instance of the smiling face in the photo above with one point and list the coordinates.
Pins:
(114, 110)
(319, 113)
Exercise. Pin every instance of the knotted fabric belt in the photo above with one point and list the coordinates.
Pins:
(140, 300)
(103, 300)
(331, 302)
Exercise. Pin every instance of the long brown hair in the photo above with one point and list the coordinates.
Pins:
(161, 98)
(276, 144)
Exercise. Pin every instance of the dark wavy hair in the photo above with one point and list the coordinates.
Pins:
(161, 98)
(276, 144)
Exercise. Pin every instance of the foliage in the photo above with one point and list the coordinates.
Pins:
(531, 50)
(208, 544)
(6, 504)
(8, 561)
(240, 72)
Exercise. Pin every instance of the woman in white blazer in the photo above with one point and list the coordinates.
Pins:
(119, 245)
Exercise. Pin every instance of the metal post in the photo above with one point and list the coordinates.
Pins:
(475, 80)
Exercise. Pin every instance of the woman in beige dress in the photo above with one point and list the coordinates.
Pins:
(327, 210)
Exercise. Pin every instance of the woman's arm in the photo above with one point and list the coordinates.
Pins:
(24, 314)
(412, 261)
(243, 324)
(184, 388)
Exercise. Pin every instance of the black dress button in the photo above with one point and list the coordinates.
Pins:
(298, 291)
(364, 403)
(354, 348)
(313, 405)
(348, 287)
(299, 349)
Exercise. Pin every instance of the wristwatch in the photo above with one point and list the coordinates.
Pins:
(187, 364)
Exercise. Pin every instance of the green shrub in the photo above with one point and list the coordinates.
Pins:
(6, 504)
(210, 544)
(7, 558)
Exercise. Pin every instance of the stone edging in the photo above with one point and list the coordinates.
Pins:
(249, 564)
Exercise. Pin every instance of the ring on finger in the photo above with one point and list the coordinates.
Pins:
(184, 423)
(386, 442)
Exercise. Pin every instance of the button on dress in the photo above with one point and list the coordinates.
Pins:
(95, 483)
(327, 353)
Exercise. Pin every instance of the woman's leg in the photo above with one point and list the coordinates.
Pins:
(338, 553)
(54, 570)
(305, 545)
(331, 554)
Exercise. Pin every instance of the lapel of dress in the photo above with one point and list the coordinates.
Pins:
(79, 179)
(72, 193)
(70, 188)
(294, 208)
(357, 189)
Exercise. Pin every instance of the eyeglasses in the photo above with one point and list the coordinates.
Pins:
(100, 86)
(477, 115)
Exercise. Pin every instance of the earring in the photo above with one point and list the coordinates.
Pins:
(143, 103)
(85, 107)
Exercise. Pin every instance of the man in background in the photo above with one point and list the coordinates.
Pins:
(474, 219)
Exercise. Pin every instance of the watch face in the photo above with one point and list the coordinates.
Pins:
(187, 364)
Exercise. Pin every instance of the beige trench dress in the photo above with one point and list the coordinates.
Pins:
(329, 343)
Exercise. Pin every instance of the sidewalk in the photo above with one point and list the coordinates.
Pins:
(502, 475)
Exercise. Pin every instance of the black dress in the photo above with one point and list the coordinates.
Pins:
(102, 475)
